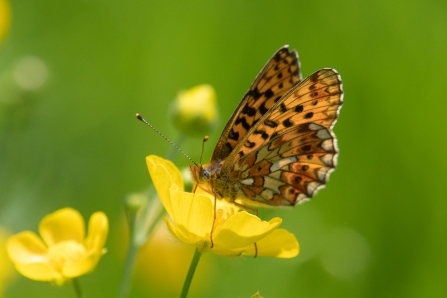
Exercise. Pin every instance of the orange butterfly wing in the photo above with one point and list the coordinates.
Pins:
(290, 152)
(278, 147)
(278, 76)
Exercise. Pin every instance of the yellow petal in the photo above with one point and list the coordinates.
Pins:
(62, 225)
(39, 271)
(29, 255)
(192, 212)
(26, 247)
(280, 244)
(243, 229)
(181, 233)
(98, 229)
(94, 245)
(82, 266)
(164, 175)
(7, 272)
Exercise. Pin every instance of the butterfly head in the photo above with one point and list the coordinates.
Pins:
(200, 174)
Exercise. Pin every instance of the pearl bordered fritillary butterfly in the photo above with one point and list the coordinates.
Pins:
(278, 147)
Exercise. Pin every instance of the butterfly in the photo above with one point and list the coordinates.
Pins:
(278, 148)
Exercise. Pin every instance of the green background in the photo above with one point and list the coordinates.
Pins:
(377, 230)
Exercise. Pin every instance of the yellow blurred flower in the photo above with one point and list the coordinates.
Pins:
(6, 269)
(168, 261)
(194, 111)
(235, 232)
(65, 252)
(5, 18)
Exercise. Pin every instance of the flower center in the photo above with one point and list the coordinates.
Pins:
(65, 253)
(223, 213)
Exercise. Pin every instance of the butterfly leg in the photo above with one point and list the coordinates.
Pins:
(214, 220)
(246, 207)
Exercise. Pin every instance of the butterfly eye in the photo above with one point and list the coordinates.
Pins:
(206, 175)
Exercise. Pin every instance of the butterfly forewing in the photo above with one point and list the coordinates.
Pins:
(288, 155)
(317, 100)
(278, 76)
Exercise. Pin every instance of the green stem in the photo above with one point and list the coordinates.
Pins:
(131, 255)
(128, 270)
(141, 225)
(77, 287)
(190, 275)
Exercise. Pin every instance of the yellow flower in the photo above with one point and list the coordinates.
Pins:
(7, 273)
(194, 111)
(191, 218)
(5, 18)
(64, 253)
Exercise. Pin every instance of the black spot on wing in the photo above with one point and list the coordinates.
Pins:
(287, 123)
(249, 144)
(263, 109)
(306, 148)
(299, 108)
(269, 93)
(282, 108)
(280, 53)
(309, 115)
(271, 123)
(249, 111)
(244, 123)
(261, 132)
(233, 135)
(254, 93)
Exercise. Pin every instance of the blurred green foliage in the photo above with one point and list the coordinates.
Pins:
(377, 230)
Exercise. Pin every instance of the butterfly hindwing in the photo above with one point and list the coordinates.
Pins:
(289, 170)
(277, 77)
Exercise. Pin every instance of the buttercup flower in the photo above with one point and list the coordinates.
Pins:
(7, 273)
(235, 232)
(5, 18)
(194, 111)
(64, 253)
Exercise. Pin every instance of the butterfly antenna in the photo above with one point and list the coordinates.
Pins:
(168, 140)
(205, 138)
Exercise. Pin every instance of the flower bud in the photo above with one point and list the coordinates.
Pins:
(194, 111)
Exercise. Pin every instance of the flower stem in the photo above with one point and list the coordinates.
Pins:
(190, 275)
(141, 226)
(128, 270)
(77, 287)
(131, 255)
